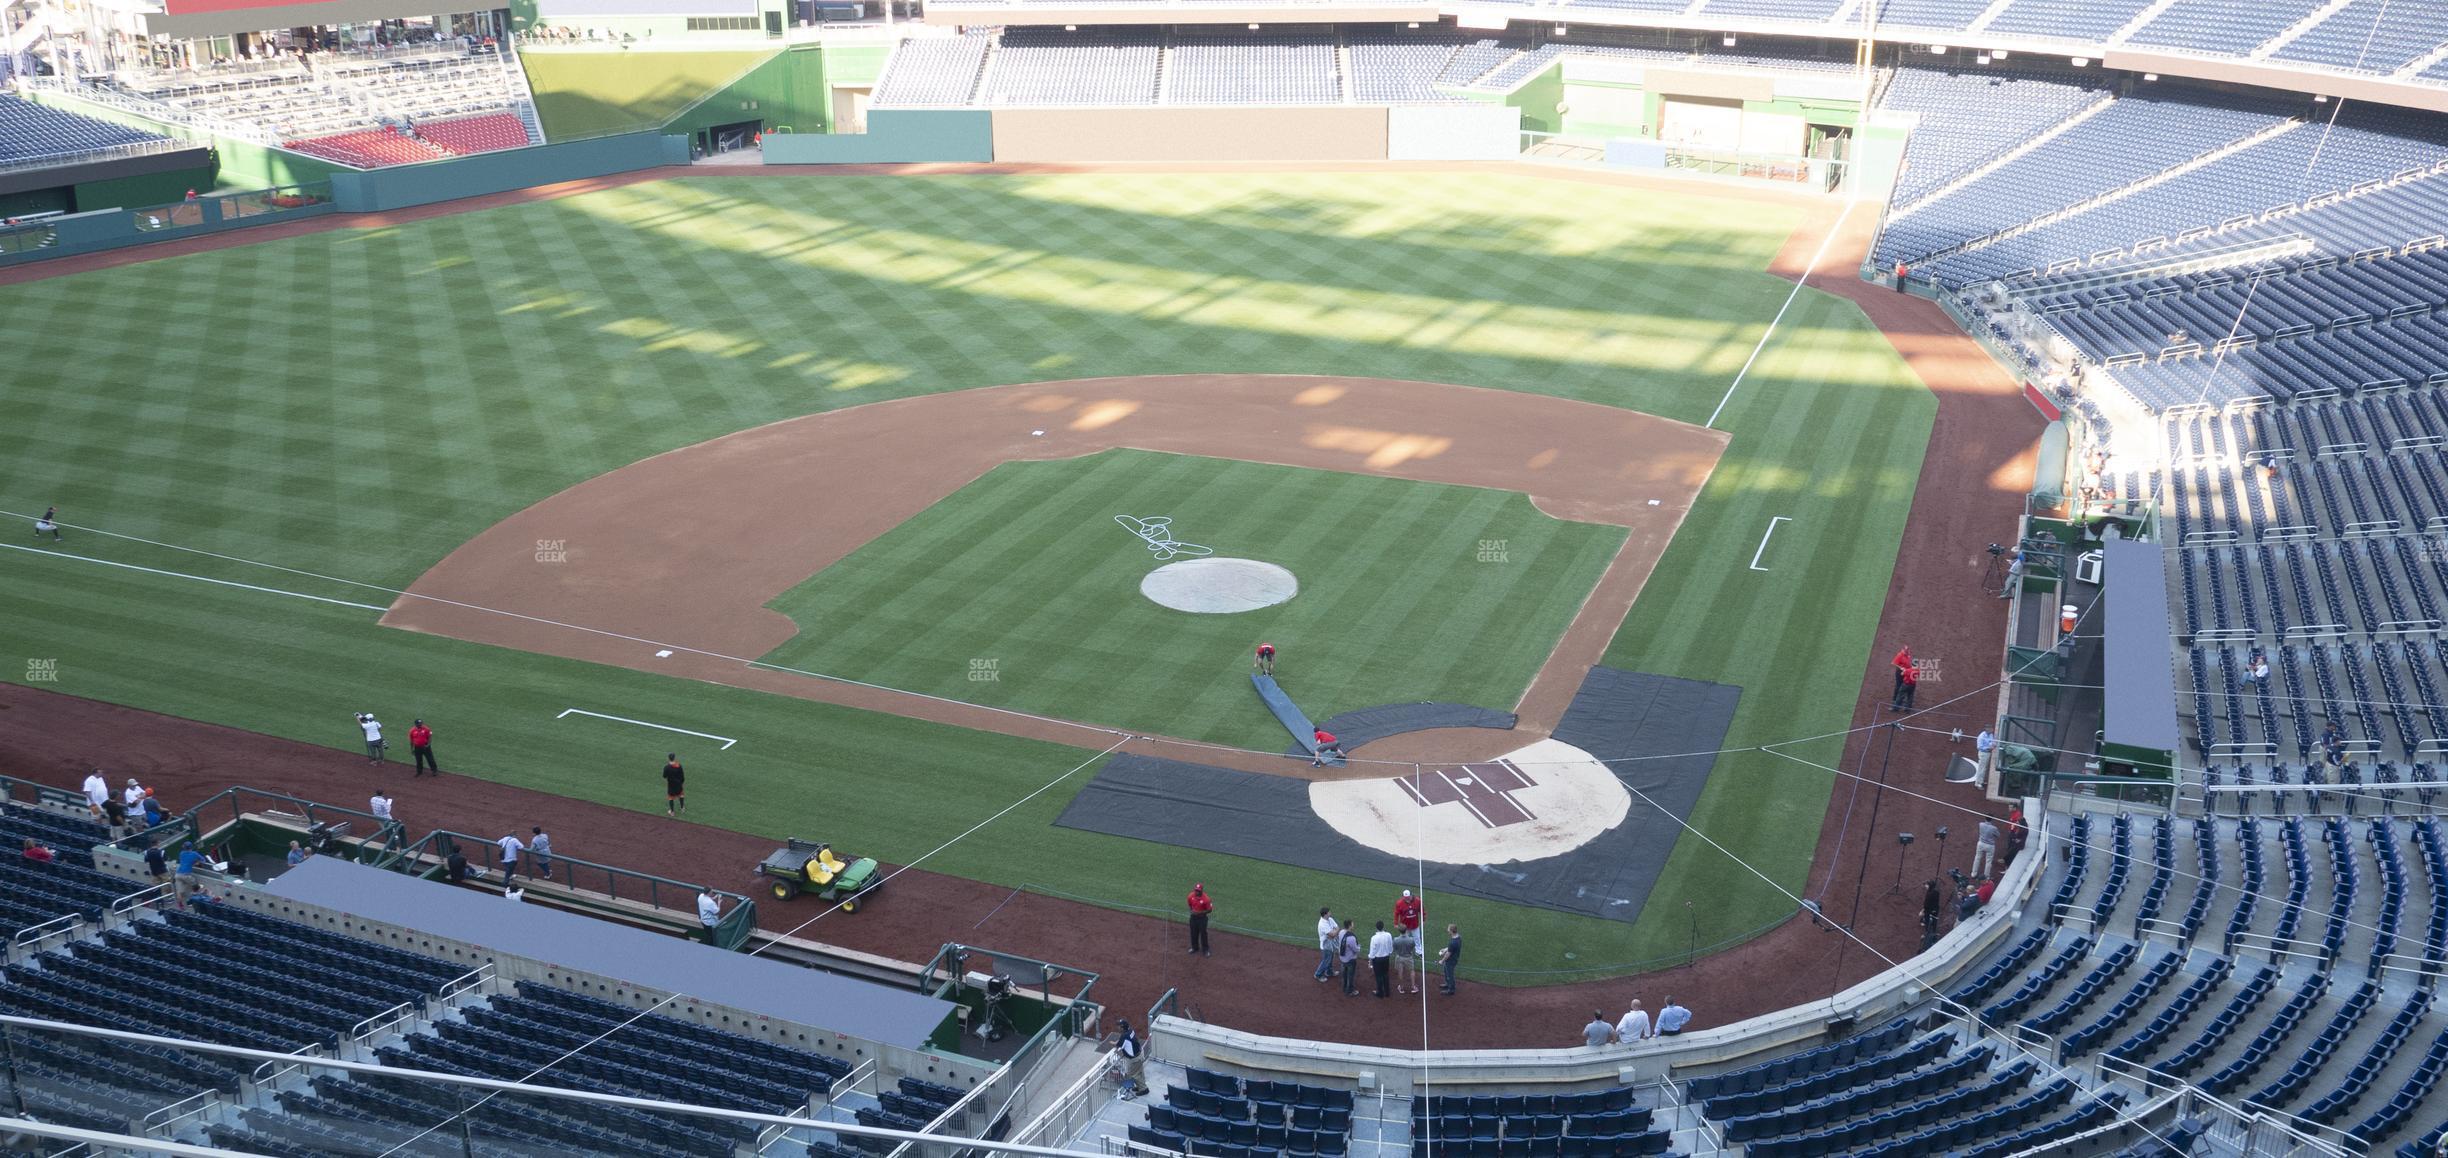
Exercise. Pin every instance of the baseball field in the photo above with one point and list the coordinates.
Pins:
(256, 450)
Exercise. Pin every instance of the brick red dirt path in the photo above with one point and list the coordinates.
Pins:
(1970, 490)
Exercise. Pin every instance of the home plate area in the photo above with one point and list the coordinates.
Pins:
(1551, 824)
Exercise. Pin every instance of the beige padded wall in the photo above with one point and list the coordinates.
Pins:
(1179, 134)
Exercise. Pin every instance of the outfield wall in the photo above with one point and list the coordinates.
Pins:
(1087, 136)
(893, 136)
(1481, 132)
(1488, 132)
(487, 173)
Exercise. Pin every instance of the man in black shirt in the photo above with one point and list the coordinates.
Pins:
(675, 795)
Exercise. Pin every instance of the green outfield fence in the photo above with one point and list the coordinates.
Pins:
(369, 191)
(68, 234)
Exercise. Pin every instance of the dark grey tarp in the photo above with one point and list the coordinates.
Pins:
(1618, 715)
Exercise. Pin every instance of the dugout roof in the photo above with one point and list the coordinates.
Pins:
(845, 1005)
(2140, 706)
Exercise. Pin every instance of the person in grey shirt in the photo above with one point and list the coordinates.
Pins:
(1599, 1031)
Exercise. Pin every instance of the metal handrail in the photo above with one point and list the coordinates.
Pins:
(522, 1089)
(404, 1011)
(34, 793)
(472, 979)
(773, 1133)
(275, 1069)
(858, 1073)
(148, 895)
(432, 850)
(159, 1122)
(26, 938)
(1081, 1091)
(385, 835)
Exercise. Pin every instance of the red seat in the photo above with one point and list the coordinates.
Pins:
(480, 134)
(368, 148)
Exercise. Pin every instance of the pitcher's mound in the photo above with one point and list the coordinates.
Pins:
(1219, 586)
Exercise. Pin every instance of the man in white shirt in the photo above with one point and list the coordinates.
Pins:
(380, 805)
(1381, 959)
(97, 793)
(709, 911)
(1330, 934)
(133, 797)
(373, 736)
(1634, 1026)
(511, 847)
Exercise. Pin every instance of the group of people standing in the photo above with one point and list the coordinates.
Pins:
(1636, 1025)
(1397, 957)
(133, 808)
(420, 744)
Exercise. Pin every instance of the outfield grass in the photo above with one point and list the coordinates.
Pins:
(1026, 572)
(356, 404)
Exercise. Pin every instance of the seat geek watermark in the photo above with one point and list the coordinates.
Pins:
(985, 671)
(1495, 551)
(552, 551)
(42, 671)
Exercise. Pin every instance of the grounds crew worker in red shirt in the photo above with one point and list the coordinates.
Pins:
(1906, 680)
(1266, 659)
(1200, 906)
(1407, 912)
(420, 745)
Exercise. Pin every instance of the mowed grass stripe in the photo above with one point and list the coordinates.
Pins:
(1037, 588)
(1809, 616)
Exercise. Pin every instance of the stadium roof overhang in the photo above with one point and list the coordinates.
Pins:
(1039, 13)
(1497, 17)
(191, 19)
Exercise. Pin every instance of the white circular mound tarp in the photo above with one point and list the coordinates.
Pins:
(1540, 801)
(1219, 586)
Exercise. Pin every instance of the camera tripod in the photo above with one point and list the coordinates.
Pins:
(1993, 580)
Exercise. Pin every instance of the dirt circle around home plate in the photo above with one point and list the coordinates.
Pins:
(1541, 800)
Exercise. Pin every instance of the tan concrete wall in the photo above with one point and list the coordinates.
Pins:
(1190, 134)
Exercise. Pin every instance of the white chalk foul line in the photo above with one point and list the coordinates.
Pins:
(197, 578)
(1770, 332)
(1763, 547)
(568, 712)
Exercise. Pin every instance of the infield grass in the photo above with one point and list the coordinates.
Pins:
(356, 404)
(1020, 591)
